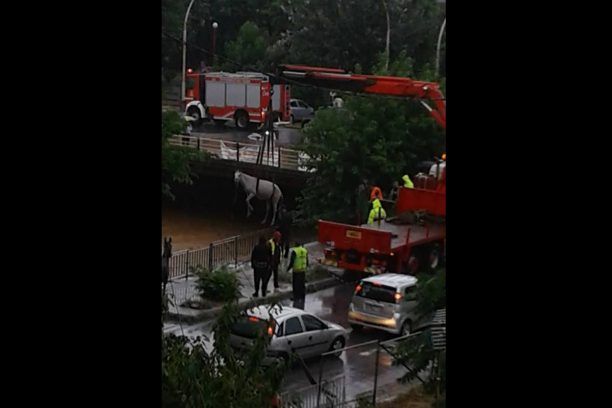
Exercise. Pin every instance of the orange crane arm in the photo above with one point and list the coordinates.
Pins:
(338, 79)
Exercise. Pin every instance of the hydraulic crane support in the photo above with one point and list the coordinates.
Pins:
(338, 79)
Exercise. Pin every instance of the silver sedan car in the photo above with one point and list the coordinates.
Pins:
(290, 330)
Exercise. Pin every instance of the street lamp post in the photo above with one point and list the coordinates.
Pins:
(438, 48)
(214, 40)
(185, 50)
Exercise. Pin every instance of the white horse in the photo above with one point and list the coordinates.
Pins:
(268, 191)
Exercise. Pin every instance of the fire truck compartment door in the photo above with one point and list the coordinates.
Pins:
(276, 98)
(215, 94)
(253, 95)
(236, 94)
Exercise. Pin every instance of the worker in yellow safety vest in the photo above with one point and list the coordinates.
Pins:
(299, 263)
(275, 249)
(377, 212)
(407, 182)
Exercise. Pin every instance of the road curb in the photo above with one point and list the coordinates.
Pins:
(200, 315)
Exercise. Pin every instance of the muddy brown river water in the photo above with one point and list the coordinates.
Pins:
(193, 229)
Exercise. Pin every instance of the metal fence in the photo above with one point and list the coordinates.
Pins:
(230, 250)
(332, 391)
(283, 158)
(374, 380)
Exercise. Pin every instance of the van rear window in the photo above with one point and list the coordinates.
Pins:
(249, 327)
(377, 292)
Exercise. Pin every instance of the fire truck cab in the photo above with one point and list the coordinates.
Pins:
(243, 97)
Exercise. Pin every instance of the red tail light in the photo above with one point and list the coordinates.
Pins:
(270, 331)
(357, 289)
(253, 319)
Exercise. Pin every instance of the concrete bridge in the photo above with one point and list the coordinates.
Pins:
(284, 166)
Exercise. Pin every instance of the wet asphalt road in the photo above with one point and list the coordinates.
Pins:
(357, 365)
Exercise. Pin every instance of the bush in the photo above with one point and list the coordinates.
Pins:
(194, 376)
(220, 284)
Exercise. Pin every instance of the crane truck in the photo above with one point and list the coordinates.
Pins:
(387, 245)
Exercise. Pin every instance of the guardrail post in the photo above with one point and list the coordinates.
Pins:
(376, 374)
(237, 151)
(236, 251)
(210, 257)
(186, 264)
(321, 361)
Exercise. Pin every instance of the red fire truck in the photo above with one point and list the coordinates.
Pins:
(243, 97)
(409, 243)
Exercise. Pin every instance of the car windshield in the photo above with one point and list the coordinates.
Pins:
(377, 292)
(249, 327)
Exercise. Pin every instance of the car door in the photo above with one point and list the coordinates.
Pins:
(319, 336)
(295, 338)
(302, 111)
(307, 111)
(295, 110)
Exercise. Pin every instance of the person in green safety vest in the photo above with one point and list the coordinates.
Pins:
(407, 182)
(377, 212)
(275, 248)
(299, 263)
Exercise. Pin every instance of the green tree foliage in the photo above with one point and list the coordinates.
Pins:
(431, 292)
(173, 12)
(312, 32)
(176, 160)
(195, 377)
(373, 138)
(248, 49)
(344, 33)
(417, 351)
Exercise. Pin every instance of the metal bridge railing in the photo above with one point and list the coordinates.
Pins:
(230, 250)
(283, 158)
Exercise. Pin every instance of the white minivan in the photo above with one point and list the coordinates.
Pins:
(386, 302)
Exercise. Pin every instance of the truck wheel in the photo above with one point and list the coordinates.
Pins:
(194, 112)
(242, 119)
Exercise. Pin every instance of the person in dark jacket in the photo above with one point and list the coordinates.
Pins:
(261, 260)
(284, 226)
